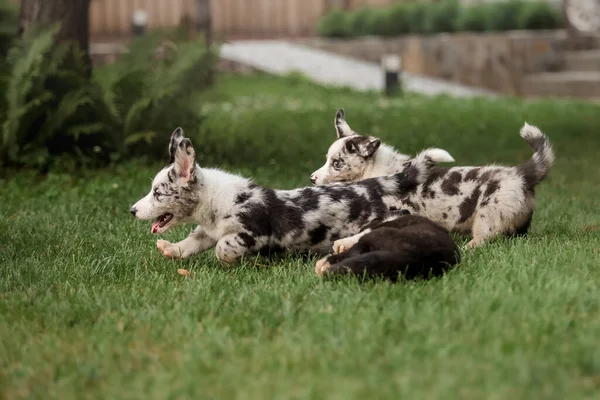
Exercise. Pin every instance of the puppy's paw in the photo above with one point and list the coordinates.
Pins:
(322, 266)
(168, 249)
(341, 245)
(473, 243)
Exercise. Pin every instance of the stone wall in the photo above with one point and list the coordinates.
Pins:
(496, 61)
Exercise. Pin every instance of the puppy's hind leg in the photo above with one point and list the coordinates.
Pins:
(231, 247)
(196, 242)
(486, 226)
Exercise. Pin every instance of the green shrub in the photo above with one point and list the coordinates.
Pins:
(54, 114)
(474, 18)
(359, 21)
(334, 24)
(504, 15)
(442, 16)
(399, 19)
(8, 25)
(539, 15)
(417, 16)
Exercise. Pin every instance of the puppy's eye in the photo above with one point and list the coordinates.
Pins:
(337, 164)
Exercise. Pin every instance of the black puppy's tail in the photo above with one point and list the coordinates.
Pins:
(390, 264)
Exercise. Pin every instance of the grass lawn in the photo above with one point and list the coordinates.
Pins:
(90, 309)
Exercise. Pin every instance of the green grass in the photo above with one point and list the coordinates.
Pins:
(90, 309)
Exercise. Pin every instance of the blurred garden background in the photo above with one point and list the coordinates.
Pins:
(90, 91)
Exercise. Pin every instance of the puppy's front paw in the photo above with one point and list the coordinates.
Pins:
(322, 266)
(341, 245)
(168, 249)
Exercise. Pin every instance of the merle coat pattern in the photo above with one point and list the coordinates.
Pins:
(485, 201)
(403, 244)
(239, 217)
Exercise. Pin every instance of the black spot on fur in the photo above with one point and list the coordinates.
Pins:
(308, 199)
(242, 197)
(444, 216)
(227, 216)
(248, 240)
(268, 251)
(491, 188)
(358, 206)
(472, 175)
(435, 174)
(272, 216)
(318, 234)
(338, 194)
(451, 183)
(414, 206)
(486, 176)
(468, 206)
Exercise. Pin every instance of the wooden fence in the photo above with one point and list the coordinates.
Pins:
(230, 18)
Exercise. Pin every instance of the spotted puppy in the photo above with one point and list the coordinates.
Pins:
(404, 244)
(485, 201)
(239, 217)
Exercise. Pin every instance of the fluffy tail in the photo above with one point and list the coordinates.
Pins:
(391, 264)
(538, 166)
(424, 162)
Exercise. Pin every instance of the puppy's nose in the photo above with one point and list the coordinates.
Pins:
(313, 179)
(133, 211)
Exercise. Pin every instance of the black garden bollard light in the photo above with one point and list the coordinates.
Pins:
(391, 65)
(138, 22)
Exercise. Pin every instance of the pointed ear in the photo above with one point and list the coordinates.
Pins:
(368, 148)
(176, 138)
(341, 126)
(185, 160)
(364, 146)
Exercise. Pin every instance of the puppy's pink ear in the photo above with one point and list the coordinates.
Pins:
(176, 138)
(185, 160)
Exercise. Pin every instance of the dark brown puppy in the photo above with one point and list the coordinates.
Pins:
(407, 245)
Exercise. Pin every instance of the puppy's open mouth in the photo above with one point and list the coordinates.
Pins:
(161, 222)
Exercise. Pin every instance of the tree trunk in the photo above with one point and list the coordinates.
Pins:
(204, 26)
(73, 15)
(204, 20)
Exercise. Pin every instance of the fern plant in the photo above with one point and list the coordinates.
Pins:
(53, 111)
(152, 89)
(44, 97)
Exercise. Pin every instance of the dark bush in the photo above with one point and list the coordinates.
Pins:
(334, 24)
(417, 16)
(398, 18)
(443, 16)
(8, 25)
(359, 22)
(54, 114)
(504, 15)
(537, 16)
(474, 18)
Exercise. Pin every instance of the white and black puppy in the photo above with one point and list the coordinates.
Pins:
(239, 217)
(485, 201)
(408, 245)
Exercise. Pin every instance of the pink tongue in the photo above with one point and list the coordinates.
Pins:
(155, 227)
